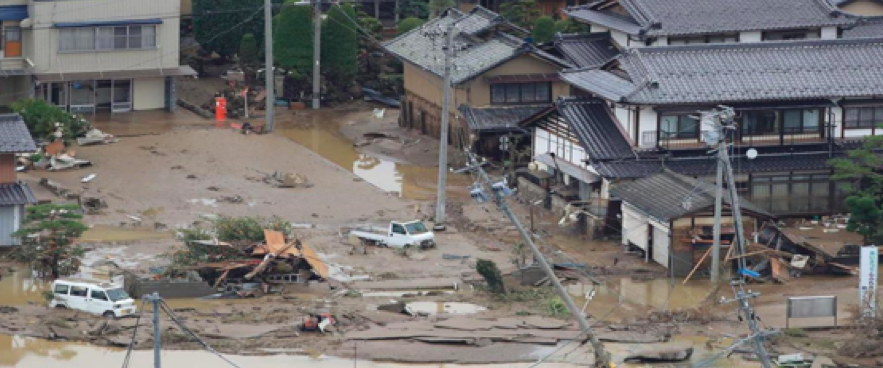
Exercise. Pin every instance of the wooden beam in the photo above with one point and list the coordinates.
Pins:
(696, 267)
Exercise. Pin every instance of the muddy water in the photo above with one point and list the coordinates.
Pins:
(110, 234)
(626, 296)
(20, 287)
(409, 181)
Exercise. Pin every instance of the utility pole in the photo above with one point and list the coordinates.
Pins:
(317, 51)
(718, 204)
(724, 123)
(602, 359)
(448, 49)
(157, 336)
(268, 66)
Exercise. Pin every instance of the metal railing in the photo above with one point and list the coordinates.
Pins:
(786, 137)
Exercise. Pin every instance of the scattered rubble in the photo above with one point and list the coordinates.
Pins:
(287, 180)
(675, 353)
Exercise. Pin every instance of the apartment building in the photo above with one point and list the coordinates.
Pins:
(90, 56)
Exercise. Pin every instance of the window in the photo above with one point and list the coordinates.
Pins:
(801, 121)
(862, 117)
(521, 93)
(61, 289)
(678, 126)
(794, 34)
(98, 295)
(759, 123)
(107, 38)
(416, 228)
(714, 38)
(78, 291)
(117, 294)
(398, 229)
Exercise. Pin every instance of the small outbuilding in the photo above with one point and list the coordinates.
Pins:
(14, 195)
(670, 218)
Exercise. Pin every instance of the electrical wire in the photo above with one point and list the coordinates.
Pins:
(166, 308)
(128, 357)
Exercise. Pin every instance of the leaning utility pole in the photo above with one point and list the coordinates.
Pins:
(448, 49)
(269, 73)
(317, 51)
(157, 336)
(718, 199)
(602, 359)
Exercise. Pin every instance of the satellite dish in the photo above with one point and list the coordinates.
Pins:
(751, 153)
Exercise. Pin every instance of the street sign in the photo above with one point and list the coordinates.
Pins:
(867, 287)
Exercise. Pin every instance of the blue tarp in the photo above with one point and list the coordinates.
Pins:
(127, 22)
(13, 12)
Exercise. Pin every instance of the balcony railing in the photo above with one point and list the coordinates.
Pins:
(16, 66)
(786, 137)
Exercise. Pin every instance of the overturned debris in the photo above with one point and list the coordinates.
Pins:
(95, 136)
(661, 354)
(287, 180)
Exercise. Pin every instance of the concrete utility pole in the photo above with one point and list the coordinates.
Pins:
(157, 336)
(718, 204)
(268, 67)
(317, 51)
(448, 49)
(602, 359)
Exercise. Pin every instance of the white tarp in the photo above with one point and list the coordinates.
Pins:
(867, 289)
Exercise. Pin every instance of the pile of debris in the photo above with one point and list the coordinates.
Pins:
(781, 257)
(287, 180)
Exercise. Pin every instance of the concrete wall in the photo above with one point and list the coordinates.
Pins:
(751, 36)
(169, 288)
(44, 37)
(149, 93)
(863, 7)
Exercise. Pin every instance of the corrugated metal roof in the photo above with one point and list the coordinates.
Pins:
(591, 121)
(744, 72)
(499, 118)
(586, 50)
(667, 196)
(13, 12)
(691, 17)
(16, 194)
(14, 135)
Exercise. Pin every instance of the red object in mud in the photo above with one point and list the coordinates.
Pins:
(220, 108)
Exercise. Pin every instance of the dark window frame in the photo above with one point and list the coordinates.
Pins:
(706, 39)
(850, 123)
(500, 93)
(680, 132)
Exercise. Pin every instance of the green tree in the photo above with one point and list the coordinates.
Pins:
(340, 44)
(492, 275)
(438, 6)
(520, 12)
(413, 8)
(862, 167)
(543, 29)
(48, 234)
(41, 117)
(569, 26)
(408, 24)
(249, 52)
(219, 25)
(293, 40)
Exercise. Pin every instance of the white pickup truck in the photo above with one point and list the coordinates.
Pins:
(398, 235)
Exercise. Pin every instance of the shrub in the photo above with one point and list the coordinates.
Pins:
(492, 275)
(543, 29)
(408, 24)
(41, 117)
(249, 52)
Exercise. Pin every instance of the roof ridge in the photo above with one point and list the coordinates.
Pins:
(759, 45)
(644, 16)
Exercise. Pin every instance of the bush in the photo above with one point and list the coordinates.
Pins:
(293, 42)
(543, 29)
(249, 52)
(408, 24)
(41, 116)
(340, 45)
(492, 275)
(556, 307)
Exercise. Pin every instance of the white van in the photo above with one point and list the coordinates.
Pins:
(92, 296)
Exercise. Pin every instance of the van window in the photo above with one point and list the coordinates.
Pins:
(398, 229)
(98, 295)
(61, 289)
(78, 291)
(117, 294)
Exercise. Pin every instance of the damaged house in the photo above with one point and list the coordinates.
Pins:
(14, 195)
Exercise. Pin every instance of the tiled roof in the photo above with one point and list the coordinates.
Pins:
(590, 119)
(688, 17)
(729, 73)
(498, 118)
(586, 50)
(14, 135)
(667, 196)
(705, 166)
(16, 194)
(474, 56)
(870, 28)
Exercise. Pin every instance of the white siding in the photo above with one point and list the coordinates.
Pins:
(661, 244)
(45, 36)
(661, 41)
(750, 36)
(149, 93)
(648, 122)
(546, 142)
(829, 32)
(634, 227)
(625, 116)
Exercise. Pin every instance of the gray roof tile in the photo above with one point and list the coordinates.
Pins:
(705, 166)
(16, 194)
(475, 55)
(591, 121)
(499, 118)
(728, 73)
(667, 196)
(586, 50)
(686, 17)
(14, 135)
(871, 28)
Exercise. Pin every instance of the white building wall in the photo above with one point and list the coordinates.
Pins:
(548, 142)
(648, 121)
(625, 116)
(661, 41)
(634, 227)
(661, 244)
(149, 93)
(750, 36)
(44, 35)
(829, 32)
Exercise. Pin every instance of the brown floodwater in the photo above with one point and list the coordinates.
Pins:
(625, 297)
(409, 181)
(111, 234)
